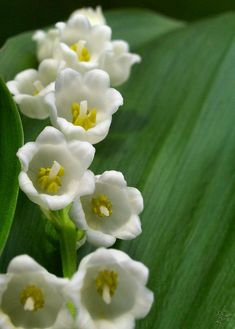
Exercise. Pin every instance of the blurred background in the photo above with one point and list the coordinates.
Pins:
(21, 15)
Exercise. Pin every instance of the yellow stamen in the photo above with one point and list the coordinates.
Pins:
(82, 52)
(102, 206)
(106, 285)
(32, 298)
(73, 47)
(36, 92)
(49, 179)
(38, 87)
(82, 116)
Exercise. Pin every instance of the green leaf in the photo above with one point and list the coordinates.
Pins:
(175, 140)
(11, 139)
(138, 27)
(16, 55)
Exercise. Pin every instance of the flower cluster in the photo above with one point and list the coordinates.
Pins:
(83, 43)
(78, 61)
(107, 291)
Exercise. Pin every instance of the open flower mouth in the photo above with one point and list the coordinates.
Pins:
(83, 116)
(49, 179)
(102, 206)
(32, 298)
(106, 284)
(82, 52)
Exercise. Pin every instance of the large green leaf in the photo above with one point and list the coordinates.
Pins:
(174, 140)
(11, 138)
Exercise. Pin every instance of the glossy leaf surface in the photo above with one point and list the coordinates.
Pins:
(11, 138)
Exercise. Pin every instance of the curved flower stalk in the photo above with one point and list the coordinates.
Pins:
(110, 212)
(95, 16)
(54, 171)
(82, 106)
(84, 46)
(30, 86)
(109, 291)
(32, 298)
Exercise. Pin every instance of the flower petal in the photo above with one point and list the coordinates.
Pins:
(52, 136)
(130, 230)
(26, 153)
(32, 106)
(114, 99)
(82, 151)
(86, 184)
(24, 264)
(112, 177)
(136, 199)
(97, 80)
(100, 239)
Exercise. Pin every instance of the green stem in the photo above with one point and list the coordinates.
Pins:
(68, 238)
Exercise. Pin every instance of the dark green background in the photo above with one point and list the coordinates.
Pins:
(22, 15)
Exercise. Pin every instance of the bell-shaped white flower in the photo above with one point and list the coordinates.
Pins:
(46, 42)
(82, 105)
(95, 16)
(83, 46)
(30, 87)
(110, 212)
(54, 170)
(32, 298)
(118, 62)
(109, 291)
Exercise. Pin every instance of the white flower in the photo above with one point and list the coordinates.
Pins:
(118, 62)
(109, 291)
(95, 16)
(46, 42)
(81, 44)
(31, 298)
(110, 212)
(54, 170)
(84, 46)
(30, 86)
(82, 105)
